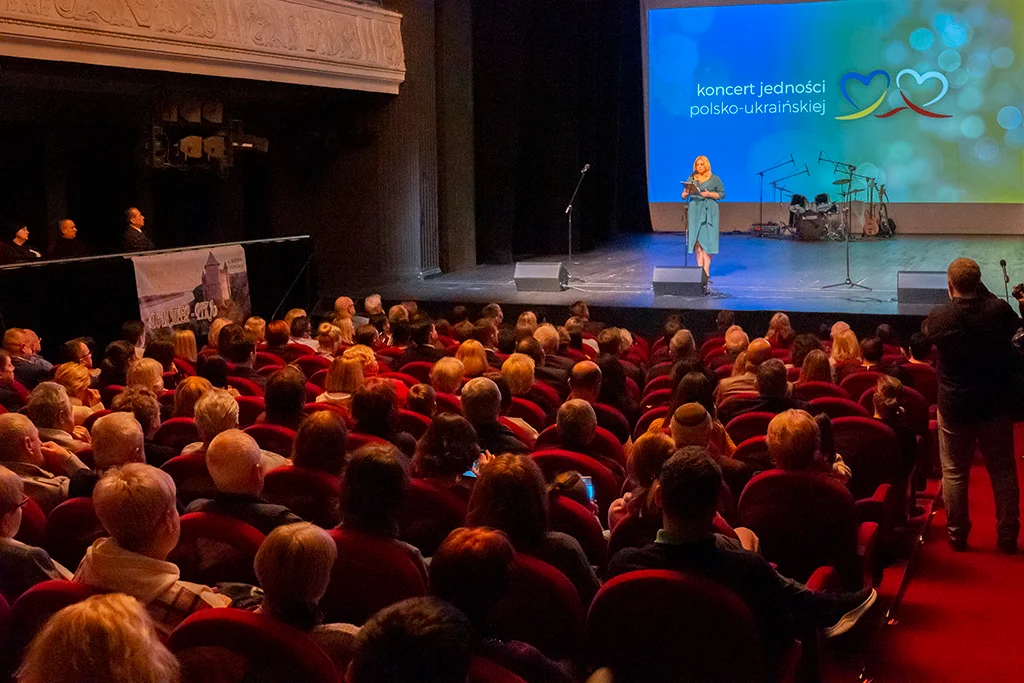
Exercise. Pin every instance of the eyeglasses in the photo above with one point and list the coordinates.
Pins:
(22, 504)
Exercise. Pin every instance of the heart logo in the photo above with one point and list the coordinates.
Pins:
(924, 78)
(865, 81)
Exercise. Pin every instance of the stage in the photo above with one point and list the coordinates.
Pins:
(749, 274)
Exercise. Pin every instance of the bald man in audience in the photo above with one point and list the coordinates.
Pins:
(67, 244)
(234, 462)
(23, 453)
(23, 347)
(577, 425)
(774, 394)
(736, 342)
(344, 309)
(117, 440)
(758, 352)
(585, 384)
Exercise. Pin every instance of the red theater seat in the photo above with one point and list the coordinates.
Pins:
(837, 407)
(273, 438)
(313, 495)
(808, 391)
(178, 432)
(569, 517)
(249, 409)
(70, 529)
(214, 549)
(429, 513)
(749, 425)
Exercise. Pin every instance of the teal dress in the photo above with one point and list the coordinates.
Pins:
(703, 216)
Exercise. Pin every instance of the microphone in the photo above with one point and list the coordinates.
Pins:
(585, 168)
(1002, 264)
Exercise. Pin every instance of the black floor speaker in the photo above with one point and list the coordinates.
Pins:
(541, 277)
(677, 281)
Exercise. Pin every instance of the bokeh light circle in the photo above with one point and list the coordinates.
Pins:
(970, 98)
(949, 60)
(1009, 118)
(922, 39)
(1002, 57)
(987, 149)
(1014, 139)
(896, 52)
(954, 35)
(972, 127)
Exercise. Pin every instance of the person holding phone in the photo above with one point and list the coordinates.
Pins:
(702, 217)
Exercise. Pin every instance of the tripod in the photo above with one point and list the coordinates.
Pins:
(569, 209)
(760, 186)
(847, 227)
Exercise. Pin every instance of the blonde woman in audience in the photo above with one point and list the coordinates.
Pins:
(328, 337)
(75, 378)
(213, 335)
(148, 373)
(846, 355)
(473, 357)
(780, 333)
(366, 356)
(446, 375)
(518, 371)
(740, 366)
(257, 327)
(21, 566)
(294, 313)
(107, 638)
(816, 368)
(344, 377)
(348, 331)
(185, 345)
(293, 566)
(188, 393)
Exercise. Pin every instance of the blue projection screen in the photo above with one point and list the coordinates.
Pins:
(925, 96)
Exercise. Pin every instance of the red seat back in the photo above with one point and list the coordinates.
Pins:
(185, 365)
(644, 423)
(91, 420)
(612, 419)
(33, 609)
(412, 422)
(521, 434)
(33, 525)
(659, 382)
(268, 370)
(748, 425)
(555, 461)
(310, 364)
(837, 407)
(273, 438)
(249, 408)
(420, 369)
(190, 476)
(754, 452)
(805, 520)
(545, 396)
(357, 440)
(245, 387)
(915, 408)
(448, 403)
(177, 433)
(313, 495)
(633, 531)
(485, 671)
(712, 344)
(653, 399)
(872, 451)
(808, 391)
(692, 629)
(604, 446)
(540, 607)
(266, 358)
(633, 389)
(300, 350)
(70, 529)
(407, 380)
(857, 383)
(319, 378)
(370, 573)
(428, 514)
(569, 517)
(926, 381)
(529, 411)
(214, 548)
(316, 406)
(108, 393)
(266, 644)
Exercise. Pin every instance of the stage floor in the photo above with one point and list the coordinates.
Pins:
(749, 274)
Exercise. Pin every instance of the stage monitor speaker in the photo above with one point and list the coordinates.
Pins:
(922, 287)
(677, 281)
(541, 277)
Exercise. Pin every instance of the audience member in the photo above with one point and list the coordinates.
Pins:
(802, 345)
(217, 412)
(285, 398)
(577, 425)
(692, 425)
(14, 248)
(374, 408)
(107, 638)
(649, 453)
(146, 373)
(423, 337)
(344, 309)
(117, 440)
(235, 464)
(66, 243)
(422, 399)
(697, 387)
(300, 332)
(11, 398)
(328, 338)
(871, 354)
(278, 333)
(541, 369)
(321, 443)
(185, 345)
(22, 452)
(21, 566)
(446, 375)
(736, 342)
(162, 351)
(50, 410)
(29, 367)
(780, 333)
(344, 377)
(549, 340)
(518, 372)
(773, 394)
(134, 332)
(816, 368)
(136, 505)
(257, 327)
(614, 387)
(446, 452)
(77, 381)
(292, 314)
(846, 357)
(889, 410)
(745, 382)
(367, 335)
(187, 393)
(365, 355)
(585, 382)
(144, 406)
(919, 349)
(481, 404)
(76, 350)
(795, 442)
(473, 356)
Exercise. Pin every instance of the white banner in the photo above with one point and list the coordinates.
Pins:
(191, 288)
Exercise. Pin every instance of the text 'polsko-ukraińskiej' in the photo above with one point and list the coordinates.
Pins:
(753, 103)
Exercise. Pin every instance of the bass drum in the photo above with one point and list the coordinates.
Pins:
(810, 228)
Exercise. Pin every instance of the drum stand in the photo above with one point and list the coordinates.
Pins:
(847, 226)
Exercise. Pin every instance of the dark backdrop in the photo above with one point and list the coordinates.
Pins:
(557, 84)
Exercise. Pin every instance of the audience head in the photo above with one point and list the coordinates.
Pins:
(12, 500)
(871, 349)
(422, 332)
(518, 372)
(422, 399)
(691, 425)
(816, 368)
(162, 351)
(771, 379)
(321, 443)
(134, 332)
(481, 401)
(143, 405)
(886, 399)
(344, 308)
(669, 329)
(736, 340)
(213, 335)
(447, 449)
(532, 348)
(609, 340)
(216, 412)
(226, 337)
(419, 640)
(887, 333)
(446, 375)
(793, 440)
(188, 391)
(285, 396)
(374, 406)
(345, 375)
(780, 327)
(398, 313)
(509, 337)
(114, 367)
(964, 277)
(845, 347)
(577, 424)
(293, 567)
(485, 331)
(694, 387)
(690, 485)
(494, 312)
(649, 453)
(235, 463)
(75, 351)
(372, 305)
(724, 320)
(19, 440)
(277, 333)
(372, 489)
(471, 570)
(108, 638)
(365, 355)
(585, 379)
(136, 505)
(510, 495)
(292, 314)
(838, 328)
(300, 328)
(6, 369)
(920, 346)
(547, 335)
(367, 335)
(758, 351)
(213, 368)
(50, 408)
(473, 357)
(257, 327)
(802, 345)
(579, 309)
(117, 439)
(147, 373)
(682, 346)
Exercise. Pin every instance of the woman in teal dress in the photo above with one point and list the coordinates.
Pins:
(702, 233)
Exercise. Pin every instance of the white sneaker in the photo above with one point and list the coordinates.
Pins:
(849, 620)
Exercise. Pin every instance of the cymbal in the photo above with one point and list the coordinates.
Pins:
(852, 192)
(842, 181)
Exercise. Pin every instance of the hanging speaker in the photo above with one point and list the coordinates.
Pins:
(677, 281)
(541, 277)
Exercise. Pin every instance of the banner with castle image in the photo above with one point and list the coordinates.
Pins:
(191, 288)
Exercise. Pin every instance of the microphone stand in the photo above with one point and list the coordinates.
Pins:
(848, 169)
(569, 209)
(760, 187)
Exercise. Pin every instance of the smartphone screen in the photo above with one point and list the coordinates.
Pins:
(469, 473)
(589, 483)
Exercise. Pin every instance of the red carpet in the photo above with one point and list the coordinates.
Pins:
(960, 618)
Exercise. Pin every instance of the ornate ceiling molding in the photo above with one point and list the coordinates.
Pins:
(330, 43)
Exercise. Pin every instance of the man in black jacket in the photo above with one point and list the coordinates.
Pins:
(973, 334)
(133, 238)
(481, 404)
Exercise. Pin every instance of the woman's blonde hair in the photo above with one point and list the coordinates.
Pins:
(518, 372)
(886, 398)
(780, 326)
(347, 330)
(215, 327)
(294, 564)
(366, 356)
(109, 638)
(185, 345)
(344, 375)
(816, 367)
(446, 375)
(846, 347)
(739, 367)
(706, 161)
(187, 394)
(147, 373)
(328, 337)
(793, 438)
(527, 318)
(294, 313)
(257, 327)
(74, 377)
(473, 357)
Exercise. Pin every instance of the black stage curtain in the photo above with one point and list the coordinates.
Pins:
(557, 84)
